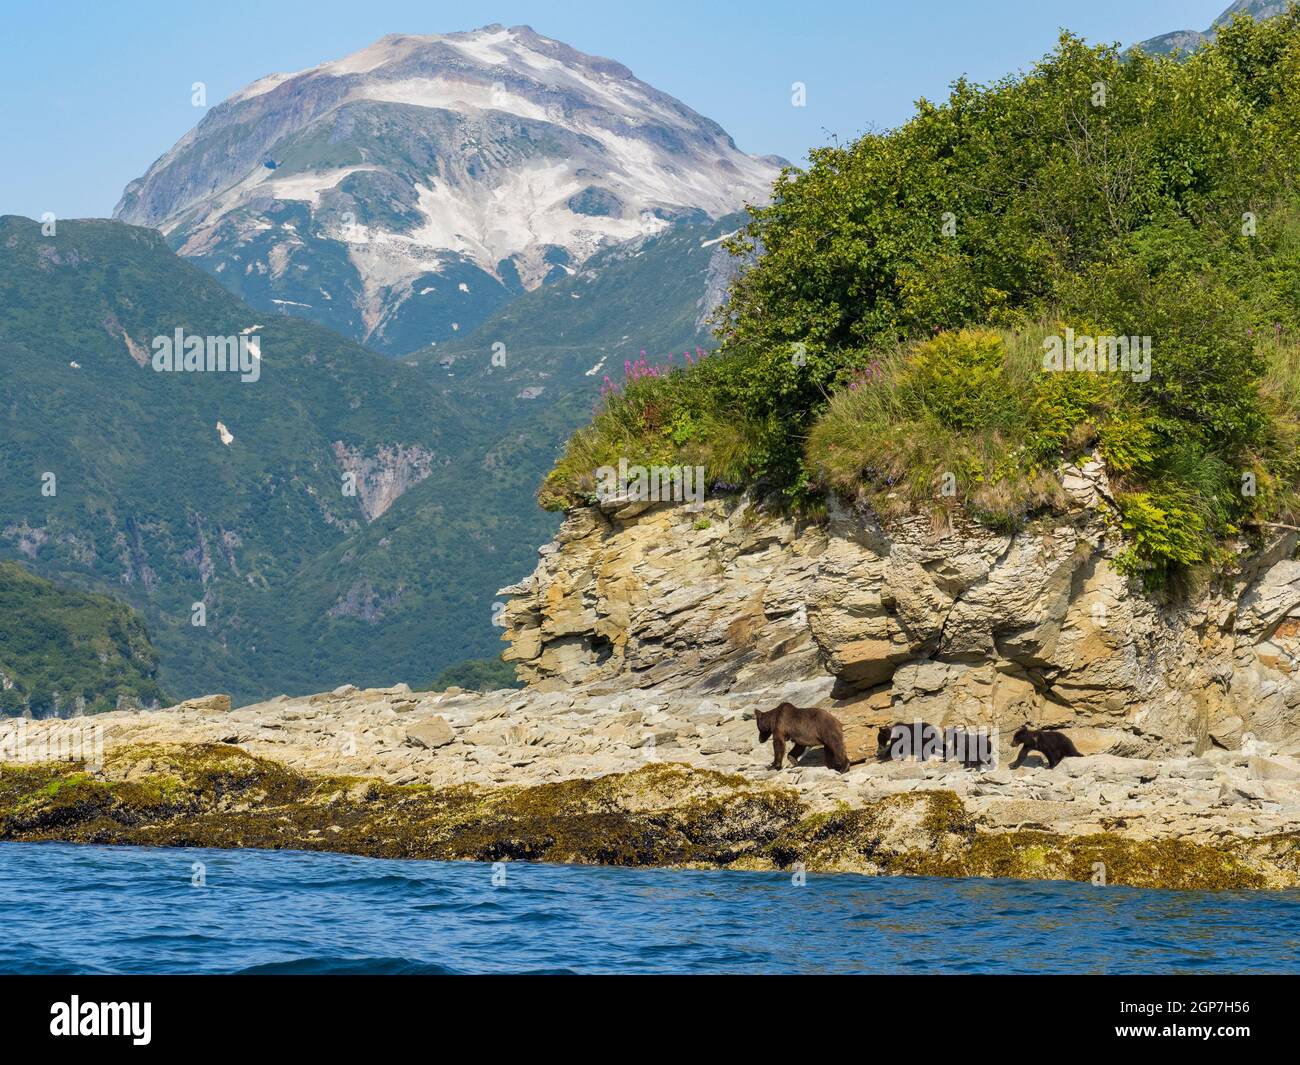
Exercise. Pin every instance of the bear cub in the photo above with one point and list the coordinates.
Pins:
(924, 742)
(1054, 746)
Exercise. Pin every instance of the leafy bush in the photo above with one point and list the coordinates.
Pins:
(689, 415)
(1126, 194)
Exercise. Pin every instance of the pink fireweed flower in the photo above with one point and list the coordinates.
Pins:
(873, 371)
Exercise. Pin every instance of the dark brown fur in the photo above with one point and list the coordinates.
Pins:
(923, 742)
(901, 740)
(803, 728)
(1054, 746)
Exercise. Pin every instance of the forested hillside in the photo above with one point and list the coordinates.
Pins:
(64, 651)
(336, 519)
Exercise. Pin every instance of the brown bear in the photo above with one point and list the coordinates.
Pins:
(1054, 746)
(803, 728)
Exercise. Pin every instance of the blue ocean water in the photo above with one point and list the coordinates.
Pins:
(66, 908)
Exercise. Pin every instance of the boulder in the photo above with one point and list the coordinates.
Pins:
(1278, 768)
(216, 704)
(430, 734)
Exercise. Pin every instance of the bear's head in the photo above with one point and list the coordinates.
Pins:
(883, 738)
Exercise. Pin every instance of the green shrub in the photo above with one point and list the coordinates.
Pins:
(688, 415)
(966, 417)
(1125, 194)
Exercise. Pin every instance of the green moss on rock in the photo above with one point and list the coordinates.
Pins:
(214, 795)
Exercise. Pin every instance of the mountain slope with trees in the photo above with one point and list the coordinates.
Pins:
(65, 651)
(222, 509)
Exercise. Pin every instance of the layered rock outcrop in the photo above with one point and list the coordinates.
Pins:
(955, 626)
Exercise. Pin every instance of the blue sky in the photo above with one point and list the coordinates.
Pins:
(92, 92)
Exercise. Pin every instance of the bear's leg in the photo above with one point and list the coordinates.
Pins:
(796, 752)
(778, 752)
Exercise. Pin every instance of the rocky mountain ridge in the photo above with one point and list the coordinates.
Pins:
(1187, 40)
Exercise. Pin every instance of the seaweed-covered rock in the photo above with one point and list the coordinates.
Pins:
(215, 795)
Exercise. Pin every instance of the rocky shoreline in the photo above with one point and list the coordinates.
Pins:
(639, 778)
(649, 634)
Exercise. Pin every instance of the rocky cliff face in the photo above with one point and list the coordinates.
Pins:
(956, 626)
(650, 634)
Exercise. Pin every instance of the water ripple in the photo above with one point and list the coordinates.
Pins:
(87, 909)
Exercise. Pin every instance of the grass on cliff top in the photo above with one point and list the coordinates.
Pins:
(969, 418)
(1166, 206)
(665, 416)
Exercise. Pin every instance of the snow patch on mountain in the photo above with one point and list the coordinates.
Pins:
(494, 159)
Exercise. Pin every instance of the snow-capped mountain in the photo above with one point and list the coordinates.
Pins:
(405, 192)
